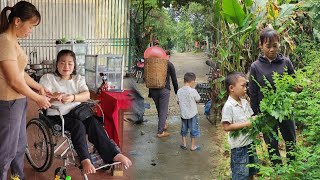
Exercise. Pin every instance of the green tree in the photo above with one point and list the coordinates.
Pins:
(159, 19)
(184, 37)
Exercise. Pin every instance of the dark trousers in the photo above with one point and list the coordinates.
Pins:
(13, 138)
(287, 129)
(96, 135)
(161, 99)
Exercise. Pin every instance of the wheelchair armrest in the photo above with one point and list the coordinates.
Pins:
(54, 107)
(97, 104)
(61, 116)
(89, 101)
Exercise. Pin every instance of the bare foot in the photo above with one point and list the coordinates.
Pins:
(166, 126)
(87, 166)
(123, 159)
(163, 134)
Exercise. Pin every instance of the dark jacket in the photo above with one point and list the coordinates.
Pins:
(171, 74)
(260, 68)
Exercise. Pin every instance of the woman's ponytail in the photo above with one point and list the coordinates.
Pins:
(4, 20)
(23, 10)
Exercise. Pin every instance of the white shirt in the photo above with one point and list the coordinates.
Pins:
(234, 112)
(54, 83)
(188, 98)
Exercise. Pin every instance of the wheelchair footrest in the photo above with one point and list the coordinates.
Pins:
(108, 165)
(97, 161)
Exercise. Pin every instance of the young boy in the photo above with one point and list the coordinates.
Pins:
(235, 114)
(187, 100)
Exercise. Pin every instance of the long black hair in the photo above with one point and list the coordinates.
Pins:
(23, 10)
(66, 52)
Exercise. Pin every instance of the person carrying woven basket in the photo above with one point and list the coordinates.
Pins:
(161, 99)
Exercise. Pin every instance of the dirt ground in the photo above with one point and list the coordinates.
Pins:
(156, 158)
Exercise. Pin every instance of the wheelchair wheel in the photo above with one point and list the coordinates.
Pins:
(40, 147)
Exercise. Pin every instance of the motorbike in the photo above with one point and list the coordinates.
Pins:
(138, 70)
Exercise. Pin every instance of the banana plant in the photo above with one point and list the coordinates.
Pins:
(237, 46)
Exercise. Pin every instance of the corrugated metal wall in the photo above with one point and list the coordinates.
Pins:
(104, 24)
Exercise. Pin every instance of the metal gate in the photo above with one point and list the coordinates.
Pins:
(103, 24)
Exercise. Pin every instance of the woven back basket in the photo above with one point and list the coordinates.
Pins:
(155, 72)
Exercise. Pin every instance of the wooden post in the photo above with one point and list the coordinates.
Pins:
(117, 170)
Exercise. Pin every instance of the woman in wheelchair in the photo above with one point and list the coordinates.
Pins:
(69, 90)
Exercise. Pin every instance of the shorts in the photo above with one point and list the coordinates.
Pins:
(240, 158)
(192, 124)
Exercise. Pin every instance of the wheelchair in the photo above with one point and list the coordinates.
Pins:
(44, 143)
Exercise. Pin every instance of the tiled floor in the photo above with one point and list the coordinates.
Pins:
(74, 172)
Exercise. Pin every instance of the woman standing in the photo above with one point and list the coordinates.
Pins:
(16, 22)
(268, 63)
